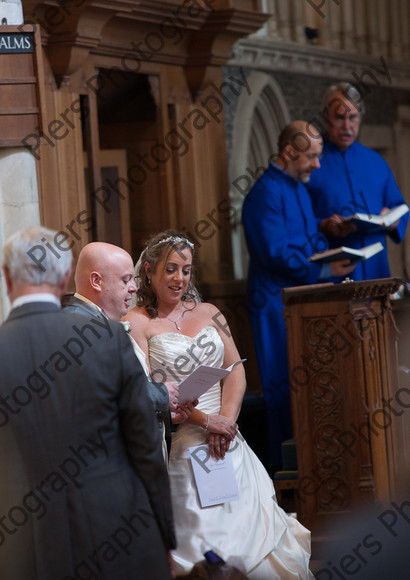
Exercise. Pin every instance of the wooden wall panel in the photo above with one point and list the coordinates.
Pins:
(186, 191)
(21, 89)
(63, 203)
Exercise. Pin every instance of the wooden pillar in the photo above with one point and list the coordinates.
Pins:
(396, 46)
(348, 26)
(334, 23)
(372, 11)
(298, 26)
(404, 19)
(63, 203)
(384, 16)
(273, 24)
(284, 24)
(360, 19)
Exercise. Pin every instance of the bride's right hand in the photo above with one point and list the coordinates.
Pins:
(222, 425)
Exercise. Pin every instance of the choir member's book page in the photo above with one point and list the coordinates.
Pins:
(371, 223)
(202, 379)
(215, 479)
(343, 253)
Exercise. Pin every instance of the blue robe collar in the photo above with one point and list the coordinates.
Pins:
(329, 146)
(276, 168)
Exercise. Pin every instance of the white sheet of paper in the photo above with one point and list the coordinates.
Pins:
(202, 379)
(215, 480)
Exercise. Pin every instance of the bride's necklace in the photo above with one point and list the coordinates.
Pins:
(176, 320)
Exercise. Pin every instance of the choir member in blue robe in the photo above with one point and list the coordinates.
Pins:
(353, 179)
(281, 234)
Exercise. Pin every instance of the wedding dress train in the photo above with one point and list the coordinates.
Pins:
(271, 544)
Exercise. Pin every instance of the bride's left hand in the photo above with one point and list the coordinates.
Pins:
(218, 445)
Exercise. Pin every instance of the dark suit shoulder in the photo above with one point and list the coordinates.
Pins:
(74, 304)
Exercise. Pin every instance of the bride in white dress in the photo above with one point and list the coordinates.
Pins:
(177, 333)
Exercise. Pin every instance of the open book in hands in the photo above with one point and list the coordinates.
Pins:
(345, 253)
(202, 379)
(372, 223)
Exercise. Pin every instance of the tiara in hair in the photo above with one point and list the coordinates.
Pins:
(175, 240)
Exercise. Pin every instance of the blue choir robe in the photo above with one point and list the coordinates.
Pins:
(281, 233)
(357, 180)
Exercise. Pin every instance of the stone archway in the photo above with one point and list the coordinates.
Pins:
(259, 118)
(19, 205)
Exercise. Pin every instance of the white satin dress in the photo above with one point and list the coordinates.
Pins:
(271, 544)
(141, 357)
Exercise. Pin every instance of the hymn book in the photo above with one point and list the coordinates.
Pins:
(343, 253)
(372, 223)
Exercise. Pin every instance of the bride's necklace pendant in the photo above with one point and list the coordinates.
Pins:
(176, 322)
(177, 326)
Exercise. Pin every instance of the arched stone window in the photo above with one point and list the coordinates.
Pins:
(258, 120)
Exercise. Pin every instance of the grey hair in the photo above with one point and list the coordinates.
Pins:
(32, 257)
(350, 92)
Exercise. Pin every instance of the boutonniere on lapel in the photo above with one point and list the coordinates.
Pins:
(126, 324)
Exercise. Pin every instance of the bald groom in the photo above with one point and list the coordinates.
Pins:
(84, 488)
(104, 280)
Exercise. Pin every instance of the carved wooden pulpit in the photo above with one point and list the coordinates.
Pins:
(348, 409)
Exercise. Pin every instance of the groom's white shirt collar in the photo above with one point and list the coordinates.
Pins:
(39, 297)
(84, 299)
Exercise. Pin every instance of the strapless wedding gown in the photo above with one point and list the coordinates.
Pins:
(271, 544)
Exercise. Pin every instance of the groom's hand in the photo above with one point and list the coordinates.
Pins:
(183, 412)
(173, 392)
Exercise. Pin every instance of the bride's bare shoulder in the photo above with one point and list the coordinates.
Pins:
(137, 317)
(207, 308)
(205, 311)
(135, 312)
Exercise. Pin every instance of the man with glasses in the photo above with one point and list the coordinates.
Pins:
(353, 179)
(281, 234)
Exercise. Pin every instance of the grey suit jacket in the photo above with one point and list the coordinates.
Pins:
(79, 306)
(84, 490)
(157, 392)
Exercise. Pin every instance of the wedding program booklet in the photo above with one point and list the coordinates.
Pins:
(343, 253)
(202, 379)
(370, 222)
(215, 479)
